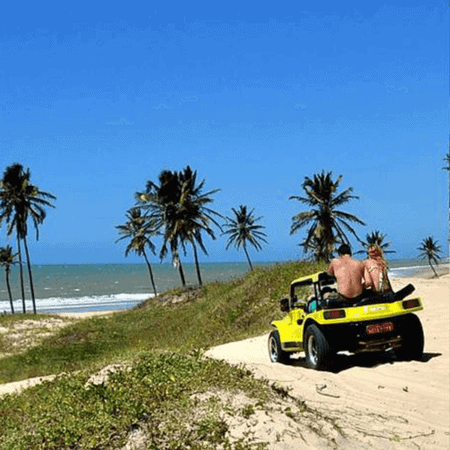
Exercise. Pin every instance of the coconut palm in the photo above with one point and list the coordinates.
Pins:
(7, 259)
(430, 249)
(326, 222)
(138, 230)
(316, 248)
(194, 216)
(19, 201)
(447, 167)
(447, 160)
(376, 238)
(177, 205)
(242, 228)
(161, 202)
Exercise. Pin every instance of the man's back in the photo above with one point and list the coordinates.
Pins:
(349, 274)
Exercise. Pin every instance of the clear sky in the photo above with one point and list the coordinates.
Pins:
(96, 98)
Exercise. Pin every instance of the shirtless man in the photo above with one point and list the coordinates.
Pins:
(351, 275)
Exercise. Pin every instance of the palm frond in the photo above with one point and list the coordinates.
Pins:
(326, 223)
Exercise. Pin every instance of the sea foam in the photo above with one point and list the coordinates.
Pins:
(91, 303)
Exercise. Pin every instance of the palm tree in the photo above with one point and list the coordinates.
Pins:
(376, 238)
(242, 229)
(19, 201)
(7, 259)
(138, 229)
(447, 167)
(161, 201)
(447, 159)
(177, 205)
(316, 248)
(194, 216)
(430, 249)
(327, 224)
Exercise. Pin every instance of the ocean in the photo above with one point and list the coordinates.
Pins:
(108, 287)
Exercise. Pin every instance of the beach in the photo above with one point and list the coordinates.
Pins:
(378, 403)
(382, 404)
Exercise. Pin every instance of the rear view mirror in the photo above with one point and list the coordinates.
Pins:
(284, 304)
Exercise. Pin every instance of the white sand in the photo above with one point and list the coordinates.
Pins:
(86, 315)
(401, 405)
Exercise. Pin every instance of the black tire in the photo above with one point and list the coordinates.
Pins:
(413, 339)
(276, 353)
(317, 349)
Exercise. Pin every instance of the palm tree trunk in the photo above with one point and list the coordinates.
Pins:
(33, 299)
(150, 272)
(9, 290)
(21, 274)
(197, 265)
(248, 257)
(431, 265)
(181, 272)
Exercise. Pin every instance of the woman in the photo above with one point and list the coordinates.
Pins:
(378, 270)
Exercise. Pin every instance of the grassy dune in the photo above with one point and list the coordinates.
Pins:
(162, 341)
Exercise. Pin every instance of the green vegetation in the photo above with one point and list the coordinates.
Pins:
(177, 207)
(19, 201)
(138, 230)
(157, 395)
(242, 229)
(326, 223)
(7, 259)
(217, 313)
(162, 342)
(376, 238)
(430, 249)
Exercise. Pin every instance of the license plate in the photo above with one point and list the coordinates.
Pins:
(380, 328)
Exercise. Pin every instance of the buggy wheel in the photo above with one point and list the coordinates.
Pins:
(276, 353)
(317, 349)
(412, 339)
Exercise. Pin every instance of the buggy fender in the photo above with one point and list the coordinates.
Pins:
(310, 321)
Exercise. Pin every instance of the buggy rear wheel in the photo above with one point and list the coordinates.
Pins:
(317, 349)
(412, 339)
(276, 353)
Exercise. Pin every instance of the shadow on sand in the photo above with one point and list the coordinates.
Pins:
(368, 360)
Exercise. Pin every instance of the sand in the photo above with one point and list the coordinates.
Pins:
(378, 403)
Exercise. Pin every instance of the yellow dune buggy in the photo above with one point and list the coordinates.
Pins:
(324, 325)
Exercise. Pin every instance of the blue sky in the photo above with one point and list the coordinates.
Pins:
(96, 98)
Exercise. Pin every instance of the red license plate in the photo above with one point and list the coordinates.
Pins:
(380, 328)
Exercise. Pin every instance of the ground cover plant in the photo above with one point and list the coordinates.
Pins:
(157, 394)
(217, 313)
(161, 342)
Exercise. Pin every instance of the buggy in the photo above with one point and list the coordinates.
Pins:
(324, 325)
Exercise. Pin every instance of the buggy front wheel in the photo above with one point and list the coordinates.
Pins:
(276, 353)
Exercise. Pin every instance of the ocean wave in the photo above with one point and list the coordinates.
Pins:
(87, 303)
(401, 272)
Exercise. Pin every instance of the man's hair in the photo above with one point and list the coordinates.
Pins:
(344, 249)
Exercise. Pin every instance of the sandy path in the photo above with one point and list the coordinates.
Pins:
(378, 404)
